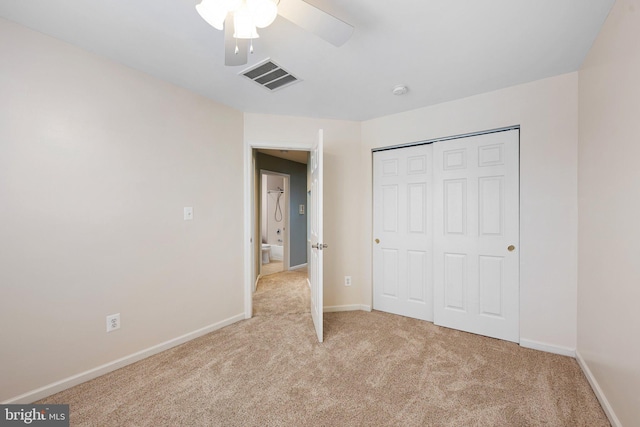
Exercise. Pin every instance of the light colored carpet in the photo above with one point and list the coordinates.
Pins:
(374, 369)
(272, 268)
(282, 293)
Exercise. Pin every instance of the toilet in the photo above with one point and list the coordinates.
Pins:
(266, 249)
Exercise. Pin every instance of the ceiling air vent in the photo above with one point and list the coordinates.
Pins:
(270, 75)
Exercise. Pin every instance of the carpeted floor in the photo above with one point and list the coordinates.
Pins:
(282, 293)
(272, 268)
(374, 369)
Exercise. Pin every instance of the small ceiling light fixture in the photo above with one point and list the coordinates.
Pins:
(247, 16)
(400, 90)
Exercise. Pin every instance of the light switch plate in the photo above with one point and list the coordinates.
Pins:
(301, 209)
(188, 214)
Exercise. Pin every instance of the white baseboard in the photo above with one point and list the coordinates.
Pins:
(608, 410)
(549, 348)
(298, 267)
(352, 307)
(58, 386)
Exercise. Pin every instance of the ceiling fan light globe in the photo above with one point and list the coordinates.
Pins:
(232, 5)
(264, 12)
(214, 12)
(244, 27)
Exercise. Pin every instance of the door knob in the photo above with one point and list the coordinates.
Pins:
(377, 241)
(511, 248)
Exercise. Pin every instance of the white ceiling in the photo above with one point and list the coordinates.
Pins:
(441, 49)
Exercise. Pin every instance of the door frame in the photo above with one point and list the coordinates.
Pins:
(249, 234)
(286, 262)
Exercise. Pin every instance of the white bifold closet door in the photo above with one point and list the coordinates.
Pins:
(403, 250)
(446, 230)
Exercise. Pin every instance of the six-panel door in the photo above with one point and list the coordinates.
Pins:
(403, 252)
(476, 220)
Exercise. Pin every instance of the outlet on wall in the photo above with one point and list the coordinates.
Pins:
(188, 213)
(347, 280)
(113, 322)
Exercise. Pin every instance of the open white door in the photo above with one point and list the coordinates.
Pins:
(317, 245)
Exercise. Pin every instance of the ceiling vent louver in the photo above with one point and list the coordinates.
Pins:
(270, 75)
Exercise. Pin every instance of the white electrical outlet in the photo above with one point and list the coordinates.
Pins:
(347, 280)
(113, 322)
(188, 213)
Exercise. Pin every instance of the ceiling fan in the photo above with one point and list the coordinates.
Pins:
(239, 19)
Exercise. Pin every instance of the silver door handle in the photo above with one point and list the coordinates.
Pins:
(320, 246)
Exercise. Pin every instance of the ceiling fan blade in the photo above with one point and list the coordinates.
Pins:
(316, 21)
(231, 58)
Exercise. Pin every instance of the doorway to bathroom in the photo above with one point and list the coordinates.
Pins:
(274, 222)
(281, 228)
(298, 290)
(280, 211)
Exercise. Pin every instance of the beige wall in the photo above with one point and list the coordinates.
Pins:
(342, 207)
(546, 110)
(609, 203)
(97, 162)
